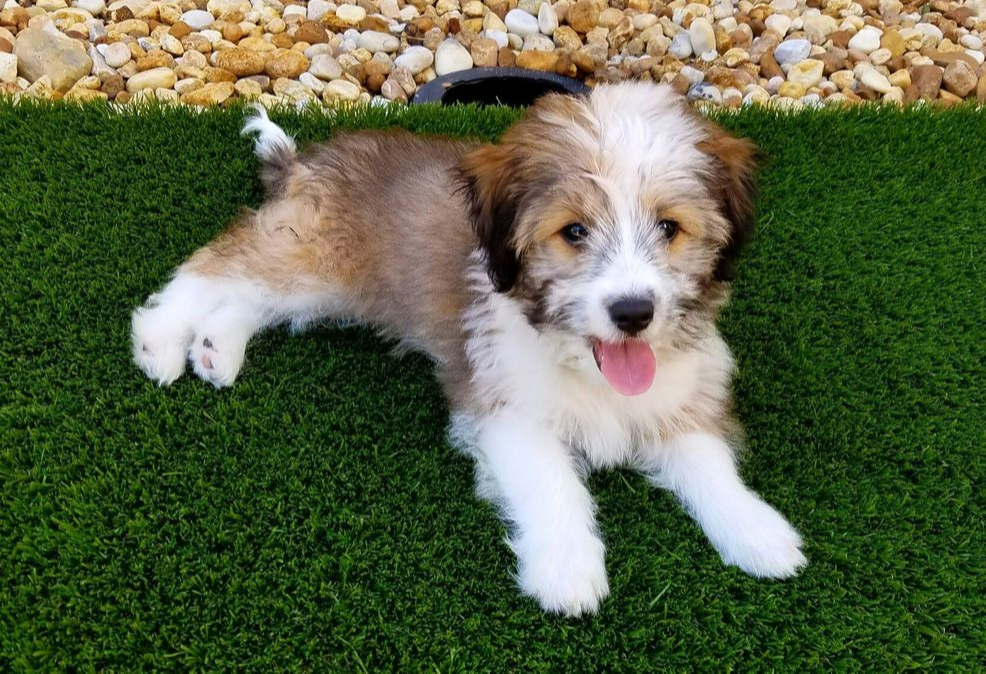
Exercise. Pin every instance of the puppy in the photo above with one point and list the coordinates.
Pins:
(565, 282)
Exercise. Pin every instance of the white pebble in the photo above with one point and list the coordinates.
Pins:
(319, 8)
(875, 80)
(779, 23)
(416, 59)
(348, 13)
(866, 40)
(701, 36)
(970, 41)
(116, 54)
(792, 51)
(325, 67)
(547, 19)
(198, 19)
(681, 46)
(537, 42)
(94, 7)
(693, 75)
(375, 41)
(451, 57)
(341, 90)
(521, 23)
(497, 36)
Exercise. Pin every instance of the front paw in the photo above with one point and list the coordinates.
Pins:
(758, 539)
(565, 575)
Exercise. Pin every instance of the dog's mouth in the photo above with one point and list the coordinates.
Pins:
(629, 366)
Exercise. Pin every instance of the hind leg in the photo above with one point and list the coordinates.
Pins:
(255, 275)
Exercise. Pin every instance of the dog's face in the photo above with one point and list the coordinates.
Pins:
(614, 220)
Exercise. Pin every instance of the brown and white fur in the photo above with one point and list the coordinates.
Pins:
(466, 252)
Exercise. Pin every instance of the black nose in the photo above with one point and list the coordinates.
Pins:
(632, 314)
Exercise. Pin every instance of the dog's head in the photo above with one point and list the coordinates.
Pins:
(615, 219)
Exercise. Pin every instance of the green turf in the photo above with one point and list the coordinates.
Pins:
(314, 516)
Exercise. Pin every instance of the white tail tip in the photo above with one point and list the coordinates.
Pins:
(272, 143)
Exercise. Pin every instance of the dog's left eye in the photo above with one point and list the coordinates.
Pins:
(667, 228)
(575, 233)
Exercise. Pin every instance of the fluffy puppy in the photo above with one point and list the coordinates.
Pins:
(565, 282)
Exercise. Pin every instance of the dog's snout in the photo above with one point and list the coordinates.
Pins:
(632, 314)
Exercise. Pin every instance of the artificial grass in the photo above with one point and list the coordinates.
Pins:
(313, 516)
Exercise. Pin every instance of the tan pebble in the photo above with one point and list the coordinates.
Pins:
(901, 79)
(282, 41)
(209, 95)
(218, 75)
(287, 64)
(180, 30)
(156, 59)
(76, 94)
(256, 44)
(172, 45)
(960, 79)
(609, 18)
(112, 86)
(248, 88)
(735, 57)
(166, 95)
(197, 43)
(566, 38)
(484, 53)
(312, 33)
(188, 84)
(843, 79)
(506, 57)
(340, 90)
(152, 79)
(583, 16)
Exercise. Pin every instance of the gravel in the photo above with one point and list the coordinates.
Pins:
(730, 52)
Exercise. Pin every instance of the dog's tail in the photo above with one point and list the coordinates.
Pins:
(273, 146)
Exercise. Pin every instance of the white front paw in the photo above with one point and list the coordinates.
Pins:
(217, 360)
(159, 344)
(758, 539)
(565, 575)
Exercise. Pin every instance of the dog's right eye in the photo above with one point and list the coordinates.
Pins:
(575, 233)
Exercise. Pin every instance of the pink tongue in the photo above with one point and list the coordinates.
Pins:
(628, 366)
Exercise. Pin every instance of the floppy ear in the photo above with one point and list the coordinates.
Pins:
(735, 186)
(486, 174)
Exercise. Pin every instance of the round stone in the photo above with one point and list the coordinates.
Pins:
(287, 64)
(792, 51)
(351, 14)
(163, 78)
(198, 19)
(867, 40)
(241, 62)
(340, 90)
(452, 57)
(416, 59)
(374, 41)
(875, 80)
(521, 23)
(705, 91)
(681, 46)
(325, 67)
(701, 36)
(807, 73)
(547, 19)
(116, 54)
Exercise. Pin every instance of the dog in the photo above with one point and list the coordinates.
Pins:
(565, 282)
